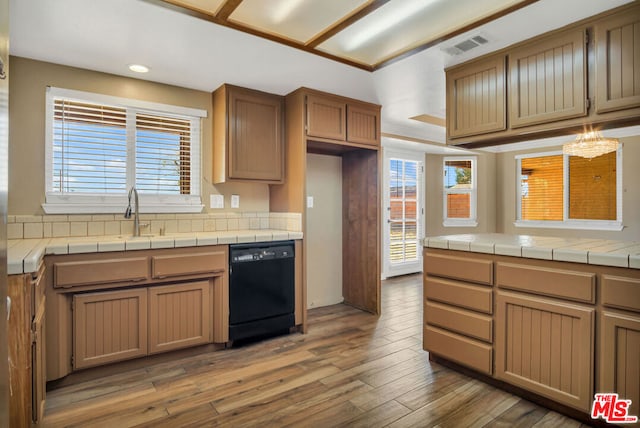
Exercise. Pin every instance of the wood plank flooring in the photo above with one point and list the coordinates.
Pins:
(352, 369)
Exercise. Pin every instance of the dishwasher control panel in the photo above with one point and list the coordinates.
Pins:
(257, 253)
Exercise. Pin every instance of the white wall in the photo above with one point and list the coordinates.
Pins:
(324, 231)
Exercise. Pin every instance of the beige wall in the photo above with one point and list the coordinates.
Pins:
(506, 191)
(486, 211)
(323, 233)
(29, 80)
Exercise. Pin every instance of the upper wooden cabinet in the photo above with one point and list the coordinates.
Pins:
(584, 75)
(547, 80)
(248, 137)
(341, 119)
(326, 117)
(618, 62)
(476, 98)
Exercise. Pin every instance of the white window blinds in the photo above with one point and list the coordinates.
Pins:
(89, 148)
(98, 147)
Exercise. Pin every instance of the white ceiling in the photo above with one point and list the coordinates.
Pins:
(186, 51)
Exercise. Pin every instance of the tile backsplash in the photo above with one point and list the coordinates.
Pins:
(59, 226)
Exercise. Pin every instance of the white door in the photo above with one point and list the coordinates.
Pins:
(403, 213)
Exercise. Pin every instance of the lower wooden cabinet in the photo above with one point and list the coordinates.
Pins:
(179, 316)
(26, 349)
(619, 357)
(546, 346)
(109, 326)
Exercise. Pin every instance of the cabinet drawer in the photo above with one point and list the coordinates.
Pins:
(188, 264)
(460, 349)
(78, 273)
(573, 285)
(468, 296)
(620, 292)
(480, 271)
(459, 320)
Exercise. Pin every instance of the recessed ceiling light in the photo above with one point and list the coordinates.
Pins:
(138, 68)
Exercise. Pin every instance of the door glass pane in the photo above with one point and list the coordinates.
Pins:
(403, 211)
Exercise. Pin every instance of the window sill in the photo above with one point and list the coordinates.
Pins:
(460, 223)
(572, 224)
(116, 204)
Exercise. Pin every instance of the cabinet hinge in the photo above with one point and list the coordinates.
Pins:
(587, 104)
(34, 336)
(72, 361)
(586, 37)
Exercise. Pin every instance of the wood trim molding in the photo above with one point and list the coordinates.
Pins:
(222, 15)
(344, 23)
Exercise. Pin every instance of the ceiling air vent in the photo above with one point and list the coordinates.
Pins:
(466, 45)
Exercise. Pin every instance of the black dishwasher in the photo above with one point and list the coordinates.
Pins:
(261, 288)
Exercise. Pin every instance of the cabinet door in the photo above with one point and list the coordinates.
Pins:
(179, 316)
(619, 357)
(363, 125)
(326, 118)
(109, 326)
(19, 350)
(546, 347)
(618, 62)
(476, 98)
(39, 377)
(547, 80)
(256, 139)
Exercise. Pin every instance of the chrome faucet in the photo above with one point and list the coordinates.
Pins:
(136, 216)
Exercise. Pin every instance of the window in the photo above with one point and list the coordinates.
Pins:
(460, 191)
(404, 218)
(98, 147)
(557, 190)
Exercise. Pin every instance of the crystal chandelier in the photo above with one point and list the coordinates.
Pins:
(590, 145)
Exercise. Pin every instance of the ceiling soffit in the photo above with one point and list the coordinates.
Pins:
(368, 34)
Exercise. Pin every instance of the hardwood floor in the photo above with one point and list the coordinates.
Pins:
(352, 369)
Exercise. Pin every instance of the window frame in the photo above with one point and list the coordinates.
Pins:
(99, 203)
(472, 221)
(568, 223)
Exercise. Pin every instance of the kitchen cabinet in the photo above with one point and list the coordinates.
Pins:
(476, 98)
(317, 122)
(326, 117)
(618, 62)
(26, 353)
(172, 298)
(248, 135)
(582, 76)
(179, 316)
(336, 118)
(109, 326)
(546, 346)
(548, 80)
(619, 346)
(457, 310)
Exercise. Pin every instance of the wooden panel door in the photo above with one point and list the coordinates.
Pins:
(618, 61)
(546, 346)
(619, 357)
(19, 351)
(179, 316)
(326, 117)
(547, 80)
(476, 102)
(361, 230)
(38, 363)
(109, 326)
(363, 124)
(256, 135)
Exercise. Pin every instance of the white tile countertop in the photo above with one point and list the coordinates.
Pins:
(24, 255)
(578, 250)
